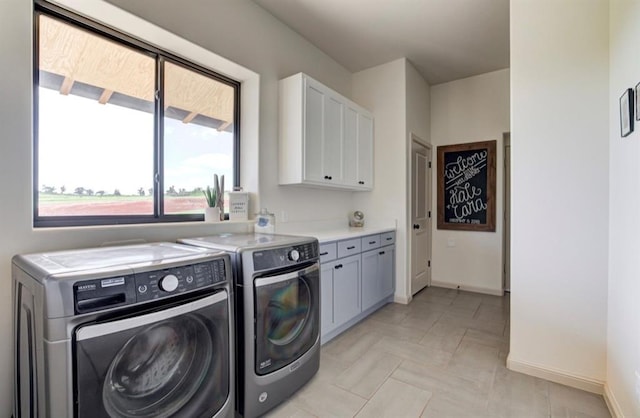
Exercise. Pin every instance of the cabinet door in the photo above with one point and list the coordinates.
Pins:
(350, 149)
(387, 270)
(332, 140)
(326, 298)
(371, 286)
(313, 133)
(365, 150)
(346, 289)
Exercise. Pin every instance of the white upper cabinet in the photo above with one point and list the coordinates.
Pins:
(325, 139)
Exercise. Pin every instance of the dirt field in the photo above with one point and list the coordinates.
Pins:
(95, 207)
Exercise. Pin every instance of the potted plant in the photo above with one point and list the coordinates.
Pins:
(212, 211)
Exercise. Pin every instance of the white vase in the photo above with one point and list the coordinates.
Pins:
(212, 214)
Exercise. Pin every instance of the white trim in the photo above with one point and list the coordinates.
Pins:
(476, 289)
(402, 299)
(612, 402)
(558, 376)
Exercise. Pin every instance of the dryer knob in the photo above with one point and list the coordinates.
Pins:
(294, 255)
(168, 283)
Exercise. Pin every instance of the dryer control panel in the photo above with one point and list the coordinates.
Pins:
(284, 256)
(99, 294)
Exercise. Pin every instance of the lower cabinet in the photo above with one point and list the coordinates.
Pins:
(353, 283)
(340, 292)
(377, 275)
(346, 289)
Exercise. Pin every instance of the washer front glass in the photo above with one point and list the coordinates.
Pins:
(177, 366)
(286, 319)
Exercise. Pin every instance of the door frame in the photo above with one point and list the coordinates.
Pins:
(506, 215)
(415, 138)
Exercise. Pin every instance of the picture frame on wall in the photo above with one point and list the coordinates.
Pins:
(466, 176)
(626, 112)
(637, 106)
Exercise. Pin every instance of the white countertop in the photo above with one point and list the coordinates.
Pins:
(346, 233)
(327, 232)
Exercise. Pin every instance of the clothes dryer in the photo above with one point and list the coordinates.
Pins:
(277, 288)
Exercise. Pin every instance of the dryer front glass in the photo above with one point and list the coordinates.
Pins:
(286, 317)
(172, 362)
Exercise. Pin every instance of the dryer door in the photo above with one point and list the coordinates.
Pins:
(166, 363)
(286, 307)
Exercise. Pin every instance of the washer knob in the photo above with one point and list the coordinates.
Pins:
(294, 255)
(168, 283)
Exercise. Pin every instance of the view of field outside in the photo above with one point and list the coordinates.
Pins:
(97, 159)
(96, 136)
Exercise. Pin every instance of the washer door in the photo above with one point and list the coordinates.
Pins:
(161, 364)
(286, 309)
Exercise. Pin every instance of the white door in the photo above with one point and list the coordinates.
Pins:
(507, 213)
(365, 151)
(313, 133)
(332, 141)
(420, 216)
(350, 148)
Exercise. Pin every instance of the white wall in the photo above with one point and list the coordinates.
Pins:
(238, 30)
(398, 96)
(244, 33)
(560, 189)
(623, 342)
(418, 105)
(470, 110)
(382, 90)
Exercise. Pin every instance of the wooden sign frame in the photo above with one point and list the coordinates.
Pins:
(469, 182)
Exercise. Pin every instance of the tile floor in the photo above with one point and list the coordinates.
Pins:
(443, 355)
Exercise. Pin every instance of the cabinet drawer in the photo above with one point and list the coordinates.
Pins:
(327, 252)
(370, 242)
(348, 247)
(388, 238)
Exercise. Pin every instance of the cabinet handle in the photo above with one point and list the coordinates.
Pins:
(351, 248)
(381, 253)
(416, 226)
(389, 239)
(371, 242)
(328, 177)
(361, 182)
(339, 266)
(324, 253)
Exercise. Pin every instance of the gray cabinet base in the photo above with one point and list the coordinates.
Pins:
(325, 338)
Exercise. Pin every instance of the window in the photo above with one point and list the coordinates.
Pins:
(124, 132)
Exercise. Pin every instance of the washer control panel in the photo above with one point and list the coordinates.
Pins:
(99, 294)
(284, 256)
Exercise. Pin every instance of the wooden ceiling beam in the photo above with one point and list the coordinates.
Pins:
(105, 96)
(190, 117)
(66, 86)
(224, 126)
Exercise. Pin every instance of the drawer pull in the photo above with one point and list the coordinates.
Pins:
(324, 253)
(389, 238)
(351, 248)
(339, 266)
(328, 177)
(371, 242)
(361, 182)
(381, 252)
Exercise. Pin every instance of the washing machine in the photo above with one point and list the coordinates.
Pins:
(126, 331)
(277, 291)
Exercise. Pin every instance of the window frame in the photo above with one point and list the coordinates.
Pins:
(160, 56)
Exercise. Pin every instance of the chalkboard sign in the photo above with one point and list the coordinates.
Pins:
(467, 186)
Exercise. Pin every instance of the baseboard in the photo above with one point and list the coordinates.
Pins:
(612, 403)
(557, 376)
(402, 299)
(476, 289)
